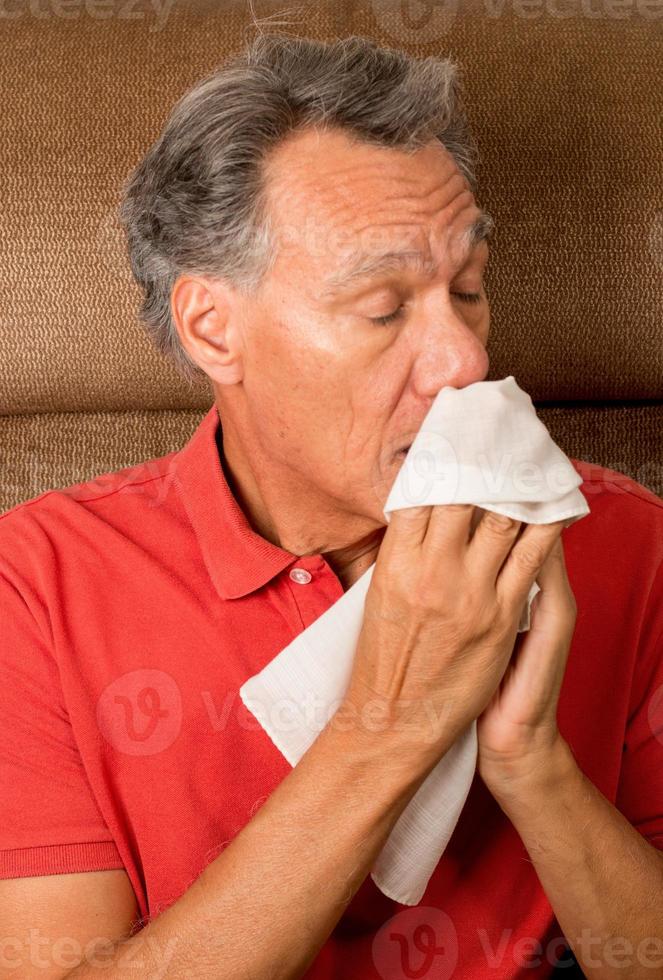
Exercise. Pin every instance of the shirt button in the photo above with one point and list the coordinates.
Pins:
(300, 575)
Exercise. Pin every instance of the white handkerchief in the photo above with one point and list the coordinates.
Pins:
(485, 445)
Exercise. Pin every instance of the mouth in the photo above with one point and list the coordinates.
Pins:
(402, 453)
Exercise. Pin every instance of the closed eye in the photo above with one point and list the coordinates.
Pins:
(391, 317)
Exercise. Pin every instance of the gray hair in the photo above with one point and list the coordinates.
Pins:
(196, 202)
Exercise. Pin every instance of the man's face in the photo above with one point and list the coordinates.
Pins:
(332, 392)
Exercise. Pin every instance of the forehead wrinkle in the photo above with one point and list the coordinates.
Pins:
(383, 263)
(395, 259)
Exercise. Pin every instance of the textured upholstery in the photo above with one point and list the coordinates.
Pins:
(567, 114)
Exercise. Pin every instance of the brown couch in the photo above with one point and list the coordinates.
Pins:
(565, 99)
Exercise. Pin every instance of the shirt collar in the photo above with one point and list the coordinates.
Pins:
(238, 559)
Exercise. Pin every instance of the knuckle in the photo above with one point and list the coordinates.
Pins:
(426, 599)
(529, 557)
(474, 615)
(501, 627)
(409, 515)
(459, 510)
(498, 523)
(486, 622)
(461, 609)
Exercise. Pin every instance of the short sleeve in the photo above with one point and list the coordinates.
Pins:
(640, 788)
(50, 822)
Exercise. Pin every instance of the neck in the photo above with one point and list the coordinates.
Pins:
(349, 564)
(296, 518)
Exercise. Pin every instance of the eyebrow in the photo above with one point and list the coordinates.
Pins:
(373, 265)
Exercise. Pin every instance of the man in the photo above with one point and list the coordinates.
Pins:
(266, 227)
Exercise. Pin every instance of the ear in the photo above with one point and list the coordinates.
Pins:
(204, 314)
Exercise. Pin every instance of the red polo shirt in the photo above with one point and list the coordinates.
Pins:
(135, 605)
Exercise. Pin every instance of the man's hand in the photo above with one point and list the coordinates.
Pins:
(440, 622)
(518, 735)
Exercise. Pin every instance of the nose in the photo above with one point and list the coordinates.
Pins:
(448, 352)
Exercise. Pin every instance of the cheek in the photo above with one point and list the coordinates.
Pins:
(303, 357)
(314, 392)
(295, 389)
